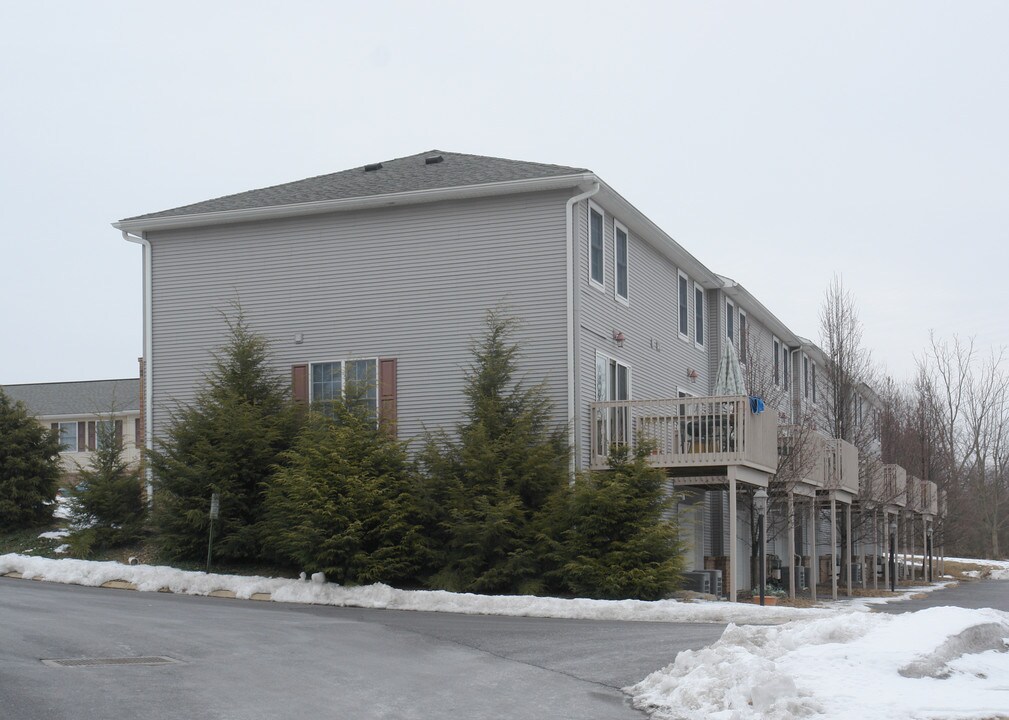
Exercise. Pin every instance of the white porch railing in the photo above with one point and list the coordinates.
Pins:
(687, 432)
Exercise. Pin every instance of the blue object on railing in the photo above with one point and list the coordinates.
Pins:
(756, 404)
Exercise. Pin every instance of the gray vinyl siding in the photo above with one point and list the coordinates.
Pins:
(412, 283)
(658, 357)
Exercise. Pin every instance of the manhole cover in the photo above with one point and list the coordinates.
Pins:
(79, 662)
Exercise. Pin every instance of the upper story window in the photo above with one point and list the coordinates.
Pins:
(812, 377)
(68, 437)
(784, 366)
(805, 376)
(620, 260)
(743, 338)
(596, 273)
(698, 315)
(730, 319)
(684, 293)
(345, 379)
(776, 351)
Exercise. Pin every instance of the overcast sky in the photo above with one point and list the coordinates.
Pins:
(780, 143)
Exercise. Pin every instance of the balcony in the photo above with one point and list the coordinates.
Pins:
(914, 494)
(842, 467)
(894, 492)
(803, 455)
(929, 498)
(691, 433)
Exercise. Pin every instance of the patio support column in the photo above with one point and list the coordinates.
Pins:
(814, 569)
(875, 547)
(791, 545)
(886, 563)
(924, 548)
(733, 569)
(833, 546)
(847, 548)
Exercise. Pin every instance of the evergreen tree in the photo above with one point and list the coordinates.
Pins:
(228, 441)
(107, 506)
(617, 538)
(341, 504)
(29, 467)
(497, 476)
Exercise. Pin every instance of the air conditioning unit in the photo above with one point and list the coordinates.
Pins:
(716, 582)
(697, 581)
(801, 578)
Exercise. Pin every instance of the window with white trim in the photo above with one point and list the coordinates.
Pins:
(776, 352)
(805, 376)
(68, 436)
(812, 374)
(620, 254)
(596, 271)
(698, 315)
(105, 431)
(743, 339)
(730, 321)
(684, 311)
(784, 366)
(355, 380)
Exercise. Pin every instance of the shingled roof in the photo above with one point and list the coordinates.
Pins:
(86, 398)
(424, 171)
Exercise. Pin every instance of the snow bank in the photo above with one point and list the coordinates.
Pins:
(150, 578)
(999, 569)
(845, 666)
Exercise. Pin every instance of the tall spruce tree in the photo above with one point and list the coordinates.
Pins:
(29, 467)
(107, 505)
(342, 504)
(615, 536)
(228, 441)
(496, 476)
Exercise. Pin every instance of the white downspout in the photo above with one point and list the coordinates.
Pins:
(148, 347)
(576, 458)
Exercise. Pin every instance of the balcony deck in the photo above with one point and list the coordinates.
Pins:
(803, 452)
(842, 467)
(692, 433)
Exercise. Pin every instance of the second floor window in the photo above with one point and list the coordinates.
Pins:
(620, 261)
(595, 246)
(684, 316)
(354, 380)
(729, 321)
(776, 351)
(742, 337)
(698, 315)
(805, 376)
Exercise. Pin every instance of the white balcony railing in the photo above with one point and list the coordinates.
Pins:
(687, 432)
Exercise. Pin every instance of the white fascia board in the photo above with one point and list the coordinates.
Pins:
(141, 225)
(640, 225)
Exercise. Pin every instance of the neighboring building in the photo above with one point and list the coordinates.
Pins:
(384, 273)
(75, 409)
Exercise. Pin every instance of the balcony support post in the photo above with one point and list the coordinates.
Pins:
(814, 562)
(833, 546)
(847, 546)
(733, 565)
(791, 545)
(875, 547)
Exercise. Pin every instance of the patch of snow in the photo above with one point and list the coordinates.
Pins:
(843, 666)
(54, 534)
(62, 510)
(62, 548)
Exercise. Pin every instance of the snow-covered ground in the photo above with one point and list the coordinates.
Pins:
(834, 661)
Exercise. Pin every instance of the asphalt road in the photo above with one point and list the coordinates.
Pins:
(249, 660)
(978, 594)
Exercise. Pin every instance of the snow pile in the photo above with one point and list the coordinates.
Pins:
(152, 578)
(940, 662)
(54, 534)
(998, 569)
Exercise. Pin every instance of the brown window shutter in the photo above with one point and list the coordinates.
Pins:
(119, 433)
(387, 392)
(92, 431)
(55, 426)
(299, 384)
(82, 437)
(138, 438)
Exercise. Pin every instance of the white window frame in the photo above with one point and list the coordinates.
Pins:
(603, 361)
(699, 344)
(343, 378)
(805, 376)
(623, 299)
(776, 346)
(597, 284)
(683, 305)
(730, 321)
(744, 352)
(812, 376)
(69, 447)
(786, 362)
